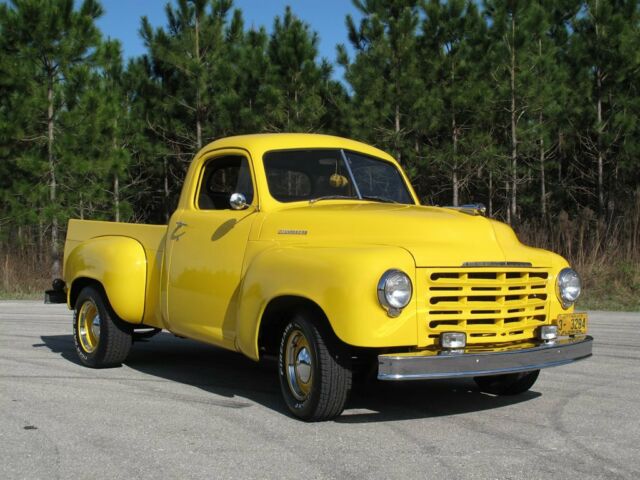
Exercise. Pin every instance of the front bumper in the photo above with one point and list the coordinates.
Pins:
(429, 365)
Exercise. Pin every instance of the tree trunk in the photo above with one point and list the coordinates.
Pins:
(116, 196)
(454, 139)
(116, 180)
(55, 251)
(543, 192)
(41, 241)
(600, 129)
(167, 214)
(397, 130)
(6, 272)
(514, 133)
(490, 193)
(198, 104)
(560, 156)
(506, 188)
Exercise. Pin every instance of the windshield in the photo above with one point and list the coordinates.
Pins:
(319, 174)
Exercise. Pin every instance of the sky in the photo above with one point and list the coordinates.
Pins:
(121, 20)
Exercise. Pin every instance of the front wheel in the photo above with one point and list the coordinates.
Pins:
(508, 384)
(314, 371)
(101, 338)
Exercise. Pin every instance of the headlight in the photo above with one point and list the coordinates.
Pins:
(394, 291)
(568, 287)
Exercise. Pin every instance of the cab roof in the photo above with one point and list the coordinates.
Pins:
(264, 142)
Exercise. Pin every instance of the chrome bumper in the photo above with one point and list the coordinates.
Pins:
(425, 365)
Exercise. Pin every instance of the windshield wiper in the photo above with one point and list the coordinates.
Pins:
(379, 199)
(333, 197)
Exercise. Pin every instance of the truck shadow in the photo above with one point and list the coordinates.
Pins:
(235, 377)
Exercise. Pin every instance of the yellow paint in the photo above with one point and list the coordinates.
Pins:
(120, 265)
(213, 278)
(123, 258)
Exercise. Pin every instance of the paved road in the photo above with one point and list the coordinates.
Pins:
(179, 409)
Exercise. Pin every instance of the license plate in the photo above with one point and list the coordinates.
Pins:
(572, 324)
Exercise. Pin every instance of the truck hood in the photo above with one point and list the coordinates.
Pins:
(435, 237)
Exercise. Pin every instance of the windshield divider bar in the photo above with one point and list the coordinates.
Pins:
(353, 179)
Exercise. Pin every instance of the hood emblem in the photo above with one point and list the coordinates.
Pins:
(287, 231)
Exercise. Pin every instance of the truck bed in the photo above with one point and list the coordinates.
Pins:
(151, 237)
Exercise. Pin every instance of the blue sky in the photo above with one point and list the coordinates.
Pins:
(327, 17)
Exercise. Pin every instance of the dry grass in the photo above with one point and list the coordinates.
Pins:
(604, 253)
(24, 275)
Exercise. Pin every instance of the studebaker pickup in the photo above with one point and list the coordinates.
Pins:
(315, 249)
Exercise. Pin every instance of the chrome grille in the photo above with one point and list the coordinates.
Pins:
(490, 305)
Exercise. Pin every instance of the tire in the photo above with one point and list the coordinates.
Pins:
(315, 375)
(508, 384)
(102, 340)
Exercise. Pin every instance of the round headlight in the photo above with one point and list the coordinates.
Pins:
(569, 286)
(394, 291)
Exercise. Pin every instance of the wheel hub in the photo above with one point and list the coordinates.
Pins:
(299, 365)
(88, 325)
(303, 365)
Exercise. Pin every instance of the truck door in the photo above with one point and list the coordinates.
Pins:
(205, 246)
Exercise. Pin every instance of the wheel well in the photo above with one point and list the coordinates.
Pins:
(275, 317)
(77, 286)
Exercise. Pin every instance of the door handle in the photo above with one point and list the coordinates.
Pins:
(181, 224)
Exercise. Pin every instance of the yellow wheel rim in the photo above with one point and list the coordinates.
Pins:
(88, 326)
(299, 365)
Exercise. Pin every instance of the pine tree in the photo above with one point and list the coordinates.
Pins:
(512, 50)
(383, 74)
(296, 81)
(53, 37)
(450, 46)
(605, 49)
(188, 59)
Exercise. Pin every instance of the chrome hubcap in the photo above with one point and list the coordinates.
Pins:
(299, 365)
(303, 365)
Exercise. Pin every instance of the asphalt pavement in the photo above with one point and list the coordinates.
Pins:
(180, 409)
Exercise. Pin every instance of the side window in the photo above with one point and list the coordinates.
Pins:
(223, 176)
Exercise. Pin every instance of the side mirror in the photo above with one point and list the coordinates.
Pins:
(238, 201)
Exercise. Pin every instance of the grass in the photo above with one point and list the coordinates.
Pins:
(612, 287)
(610, 283)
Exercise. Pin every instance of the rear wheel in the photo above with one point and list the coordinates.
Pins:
(314, 371)
(508, 384)
(101, 338)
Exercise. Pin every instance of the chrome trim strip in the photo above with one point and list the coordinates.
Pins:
(288, 231)
(409, 366)
(498, 264)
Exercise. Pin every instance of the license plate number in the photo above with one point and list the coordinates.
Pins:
(572, 324)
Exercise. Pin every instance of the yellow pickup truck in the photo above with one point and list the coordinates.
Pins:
(315, 249)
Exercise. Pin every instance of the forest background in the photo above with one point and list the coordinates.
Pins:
(530, 107)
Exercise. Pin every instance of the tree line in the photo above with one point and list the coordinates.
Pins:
(529, 107)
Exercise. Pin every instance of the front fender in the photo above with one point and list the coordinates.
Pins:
(120, 265)
(342, 281)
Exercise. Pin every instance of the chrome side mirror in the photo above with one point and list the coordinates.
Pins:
(238, 201)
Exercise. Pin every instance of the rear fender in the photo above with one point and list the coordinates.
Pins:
(119, 264)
